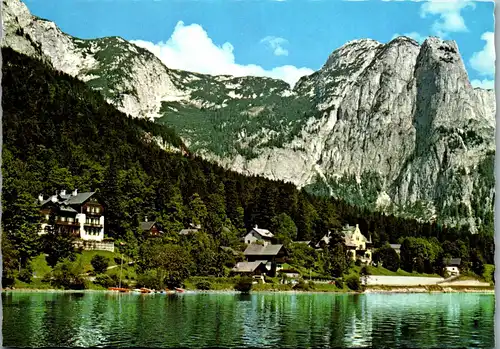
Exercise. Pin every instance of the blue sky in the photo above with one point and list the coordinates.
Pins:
(283, 39)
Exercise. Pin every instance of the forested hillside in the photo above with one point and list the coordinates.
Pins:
(59, 134)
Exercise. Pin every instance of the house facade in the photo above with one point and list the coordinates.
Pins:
(273, 256)
(357, 244)
(78, 213)
(150, 229)
(452, 266)
(258, 234)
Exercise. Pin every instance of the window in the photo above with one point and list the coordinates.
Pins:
(97, 210)
(47, 217)
(63, 219)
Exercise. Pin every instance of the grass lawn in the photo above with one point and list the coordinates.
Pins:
(86, 257)
(385, 272)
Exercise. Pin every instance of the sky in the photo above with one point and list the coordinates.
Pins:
(283, 39)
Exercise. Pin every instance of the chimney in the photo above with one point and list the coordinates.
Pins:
(54, 198)
(256, 226)
(63, 192)
(75, 192)
(145, 218)
(40, 197)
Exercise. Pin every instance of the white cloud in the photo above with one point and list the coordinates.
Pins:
(486, 84)
(414, 35)
(276, 44)
(449, 12)
(484, 61)
(190, 48)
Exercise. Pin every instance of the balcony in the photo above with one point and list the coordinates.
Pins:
(97, 225)
(67, 223)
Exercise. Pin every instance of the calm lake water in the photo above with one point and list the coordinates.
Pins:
(261, 320)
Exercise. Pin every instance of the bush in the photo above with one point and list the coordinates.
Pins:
(104, 281)
(339, 283)
(244, 285)
(99, 263)
(204, 285)
(26, 275)
(353, 283)
(68, 275)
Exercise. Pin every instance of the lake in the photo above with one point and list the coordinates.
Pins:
(263, 320)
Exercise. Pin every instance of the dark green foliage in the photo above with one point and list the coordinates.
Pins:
(58, 244)
(387, 257)
(68, 275)
(105, 280)
(204, 285)
(353, 283)
(477, 262)
(244, 285)
(99, 263)
(339, 283)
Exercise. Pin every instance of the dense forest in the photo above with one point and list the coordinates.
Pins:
(60, 134)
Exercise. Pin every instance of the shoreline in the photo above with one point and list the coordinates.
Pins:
(375, 290)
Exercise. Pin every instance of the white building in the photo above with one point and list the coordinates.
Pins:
(79, 213)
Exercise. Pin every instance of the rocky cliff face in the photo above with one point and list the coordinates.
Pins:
(395, 126)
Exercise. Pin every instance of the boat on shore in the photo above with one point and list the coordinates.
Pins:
(118, 289)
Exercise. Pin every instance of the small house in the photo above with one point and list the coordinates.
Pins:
(274, 255)
(258, 234)
(250, 268)
(452, 266)
(150, 229)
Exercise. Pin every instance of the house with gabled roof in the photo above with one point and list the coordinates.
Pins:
(258, 234)
(357, 244)
(273, 255)
(149, 228)
(452, 265)
(81, 214)
(250, 268)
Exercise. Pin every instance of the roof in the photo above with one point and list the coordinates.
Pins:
(187, 231)
(247, 267)
(395, 246)
(68, 209)
(146, 225)
(79, 198)
(302, 242)
(268, 250)
(452, 261)
(263, 232)
(69, 199)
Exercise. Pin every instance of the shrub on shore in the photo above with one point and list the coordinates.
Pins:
(244, 285)
(353, 283)
(204, 285)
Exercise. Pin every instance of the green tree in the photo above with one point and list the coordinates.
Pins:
(477, 262)
(99, 263)
(387, 257)
(68, 274)
(197, 210)
(22, 225)
(58, 243)
(284, 228)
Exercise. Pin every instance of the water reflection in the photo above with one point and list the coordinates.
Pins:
(255, 320)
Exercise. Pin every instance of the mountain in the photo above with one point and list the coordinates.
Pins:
(395, 127)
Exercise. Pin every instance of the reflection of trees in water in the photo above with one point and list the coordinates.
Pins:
(222, 320)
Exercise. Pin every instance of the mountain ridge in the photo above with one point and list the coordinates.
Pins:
(395, 127)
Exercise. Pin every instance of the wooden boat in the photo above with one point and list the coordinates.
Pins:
(118, 289)
(180, 290)
(146, 290)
